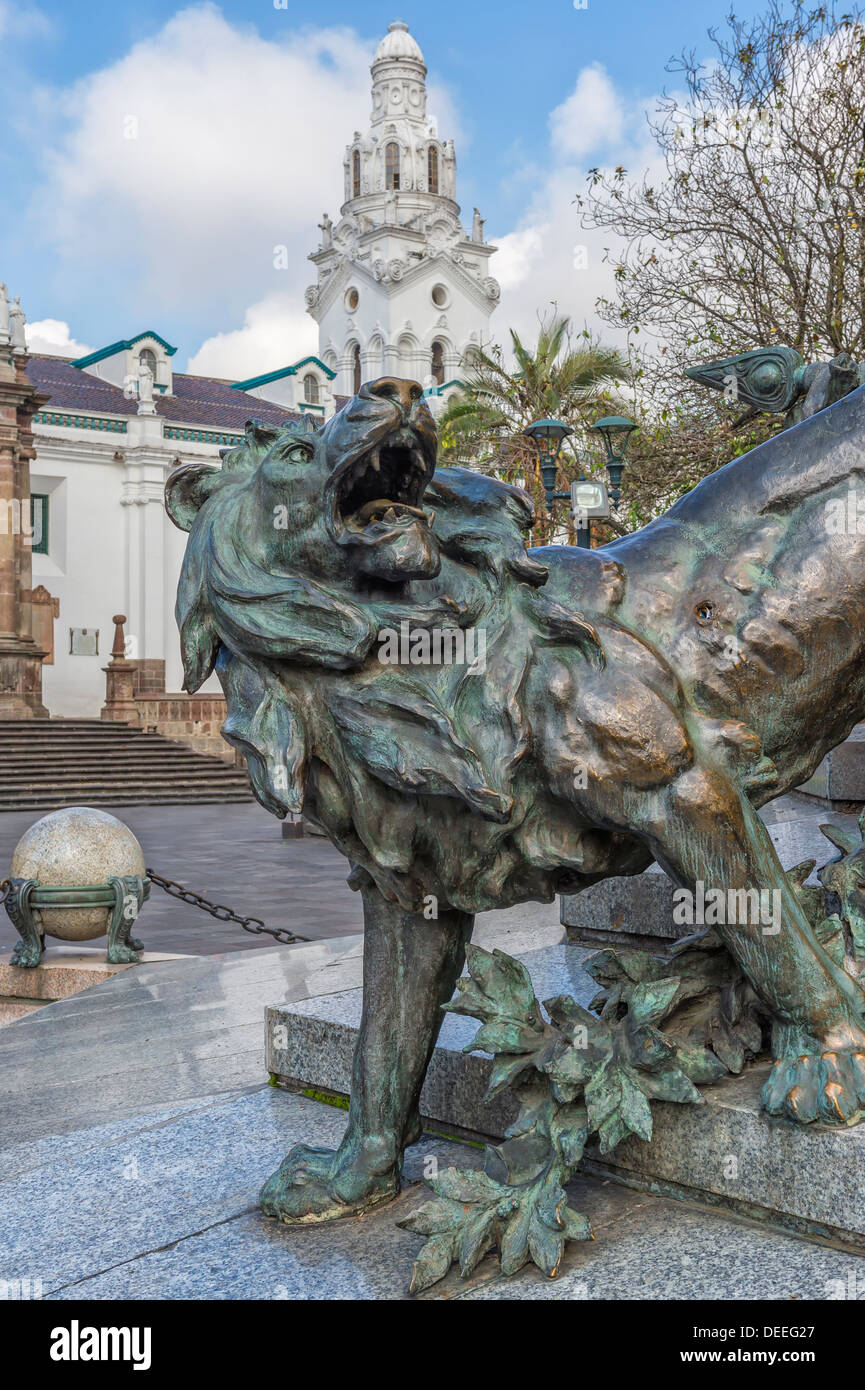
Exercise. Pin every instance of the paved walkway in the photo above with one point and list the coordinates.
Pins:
(148, 1097)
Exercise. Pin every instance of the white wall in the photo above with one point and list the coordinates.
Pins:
(112, 549)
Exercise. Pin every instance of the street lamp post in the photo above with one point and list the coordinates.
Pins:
(613, 428)
(547, 437)
(588, 496)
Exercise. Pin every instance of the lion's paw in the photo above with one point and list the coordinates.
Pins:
(828, 1087)
(313, 1185)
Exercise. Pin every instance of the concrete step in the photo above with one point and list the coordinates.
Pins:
(91, 738)
(70, 769)
(118, 797)
(97, 770)
(47, 764)
(56, 723)
(62, 972)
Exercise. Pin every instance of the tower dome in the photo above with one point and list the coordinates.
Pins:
(403, 288)
(397, 44)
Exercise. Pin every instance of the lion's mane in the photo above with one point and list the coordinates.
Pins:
(327, 729)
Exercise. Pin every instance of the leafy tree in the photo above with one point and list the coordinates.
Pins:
(755, 233)
(669, 457)
(751, 235)
(556, 379)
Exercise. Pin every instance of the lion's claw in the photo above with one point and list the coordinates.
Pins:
(310, 1185)
(828, 1087)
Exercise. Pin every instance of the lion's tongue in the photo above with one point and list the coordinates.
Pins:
(390, 511)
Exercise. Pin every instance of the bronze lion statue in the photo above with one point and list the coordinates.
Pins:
(633, 702)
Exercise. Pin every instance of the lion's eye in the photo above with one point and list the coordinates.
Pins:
(298, 453)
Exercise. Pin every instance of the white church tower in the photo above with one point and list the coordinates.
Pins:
(402, 289)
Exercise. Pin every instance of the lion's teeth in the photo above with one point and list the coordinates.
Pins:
(375, 462)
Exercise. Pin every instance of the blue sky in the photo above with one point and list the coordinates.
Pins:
(243, 111)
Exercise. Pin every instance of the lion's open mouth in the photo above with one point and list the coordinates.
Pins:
(373, 506)
(381, 489)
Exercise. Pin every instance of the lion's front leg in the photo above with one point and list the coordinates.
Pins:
(703, 830)
(410, 967)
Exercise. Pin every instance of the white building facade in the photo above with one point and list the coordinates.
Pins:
(403, 289)
(114, 425)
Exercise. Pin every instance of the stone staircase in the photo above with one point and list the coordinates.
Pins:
(48, 763)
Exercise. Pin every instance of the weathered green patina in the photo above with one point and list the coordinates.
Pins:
(635, 702)
(777, 381)
(659, 1028)
(122, 898)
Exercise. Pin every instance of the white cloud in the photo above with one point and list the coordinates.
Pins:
(549, 260)
(143, 198)
(53, 336)
(518, 255)
(19, 21)
(591, 118)
(186, 163)
(275, 333)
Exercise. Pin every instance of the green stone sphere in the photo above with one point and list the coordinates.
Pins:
(71, 848)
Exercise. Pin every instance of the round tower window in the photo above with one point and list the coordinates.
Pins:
(352, 299)
(440, 296)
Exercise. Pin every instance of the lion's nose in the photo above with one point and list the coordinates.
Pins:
(394, 388)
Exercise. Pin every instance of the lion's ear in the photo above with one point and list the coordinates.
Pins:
(188, 488)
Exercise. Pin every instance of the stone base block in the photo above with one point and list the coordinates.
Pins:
(63, 970)
(12, 1009)
(725, 1152)
(839, 781)
(635, 911)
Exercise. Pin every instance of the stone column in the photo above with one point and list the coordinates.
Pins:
(120, 680)
(147, 458)
(20, 656)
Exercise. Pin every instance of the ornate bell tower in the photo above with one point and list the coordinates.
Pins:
(402, 288)
(20, 657)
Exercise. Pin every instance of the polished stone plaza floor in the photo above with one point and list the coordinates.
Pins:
(137, 1123)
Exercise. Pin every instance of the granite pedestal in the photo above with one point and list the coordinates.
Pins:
(62, 971)
(725, 1152)
(638, 911)
(839, 781)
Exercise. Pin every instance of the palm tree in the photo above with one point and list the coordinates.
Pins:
(483, 426)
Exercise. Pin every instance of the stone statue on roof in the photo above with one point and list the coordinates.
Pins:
(17, 321)
(145, 390)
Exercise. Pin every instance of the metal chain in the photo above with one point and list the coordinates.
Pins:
(254, 925)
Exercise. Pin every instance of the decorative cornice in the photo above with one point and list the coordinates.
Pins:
(121, 345)
(203, 436)
(253, 381)
(65, 419)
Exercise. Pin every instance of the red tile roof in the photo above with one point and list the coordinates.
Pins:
(201, 401)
